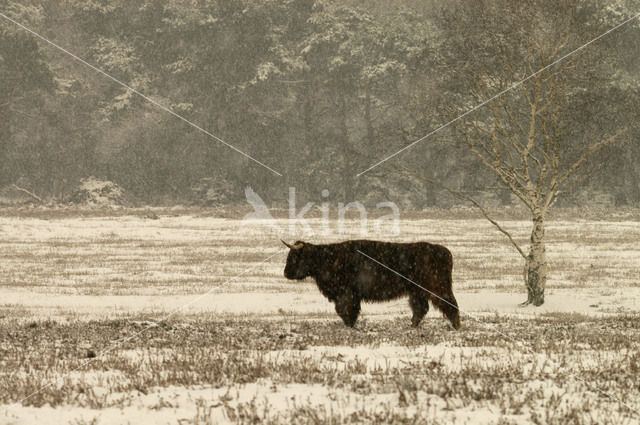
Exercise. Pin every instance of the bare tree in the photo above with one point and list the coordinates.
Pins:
(547, 133)
(528, 161)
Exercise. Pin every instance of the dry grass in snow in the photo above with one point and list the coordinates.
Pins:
(260, 349)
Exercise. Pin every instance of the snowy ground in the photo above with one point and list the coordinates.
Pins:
(260, 349)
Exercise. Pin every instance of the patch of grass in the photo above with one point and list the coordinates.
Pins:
(383, 371)
(485, 370)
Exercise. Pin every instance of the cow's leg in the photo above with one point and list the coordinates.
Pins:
(419, 303)
(348, 307)
(448, 305)
(442, 294)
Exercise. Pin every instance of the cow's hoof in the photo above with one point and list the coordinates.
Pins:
(351, 325)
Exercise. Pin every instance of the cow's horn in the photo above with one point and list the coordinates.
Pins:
(286, 244)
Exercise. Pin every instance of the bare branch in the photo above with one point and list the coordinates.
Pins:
(509, 176)
(590, 151)
(23, 190)
(531, 137)
(475, 203)
(577, 181)
(294, 81)
(510, 180)
(23, 113)
(459, 195)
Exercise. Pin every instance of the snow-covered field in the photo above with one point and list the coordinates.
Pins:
(201, 327)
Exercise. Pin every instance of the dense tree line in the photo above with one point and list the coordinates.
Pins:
(317, 90)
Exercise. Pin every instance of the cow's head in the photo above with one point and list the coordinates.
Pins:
(299, 261)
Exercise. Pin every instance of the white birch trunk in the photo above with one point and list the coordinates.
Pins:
(536, 265)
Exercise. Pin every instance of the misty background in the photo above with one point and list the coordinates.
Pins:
(317, 90)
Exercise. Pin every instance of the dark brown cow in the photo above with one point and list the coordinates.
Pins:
(346, 277)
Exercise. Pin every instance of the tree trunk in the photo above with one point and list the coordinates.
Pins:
(314, 149)
(367, 117)
(348, 180)
(5, 132)
(536, 264)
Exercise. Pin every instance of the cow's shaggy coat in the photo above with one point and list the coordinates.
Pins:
(346, 277)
